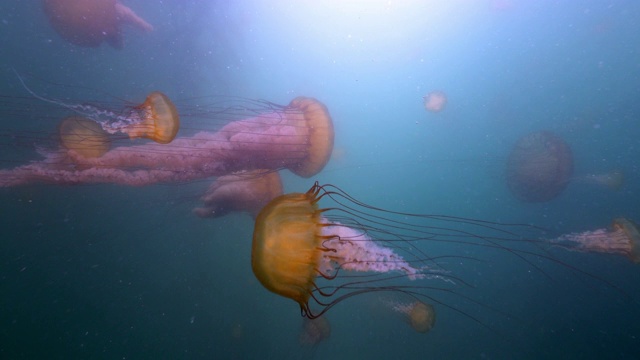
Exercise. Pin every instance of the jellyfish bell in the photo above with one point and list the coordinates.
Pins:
(83, 136)
(89, 23)
(623, 239)
(539, 167)
(156, 119)
(248, 191)
(435, 101)
(423, 317)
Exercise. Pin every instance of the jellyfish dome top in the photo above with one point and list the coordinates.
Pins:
(423, 317)
(539, 167)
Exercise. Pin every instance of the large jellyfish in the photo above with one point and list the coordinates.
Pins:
(623, 239)
(319, 257)
(539, 167)
(89, 23)
(254, 135)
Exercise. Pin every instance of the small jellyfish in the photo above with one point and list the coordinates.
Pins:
(435, 101)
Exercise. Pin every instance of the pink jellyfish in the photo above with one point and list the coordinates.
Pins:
(623, 239)
(248, 191)
(90, 22)
(435, 101)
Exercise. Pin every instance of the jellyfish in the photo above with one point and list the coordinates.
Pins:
(89, 23)
(622, 239)
(319, 257)
(314, 331)
(83, 136)
(421, 316)
(247, 191)
(237, 135)
(435, 101)
(539, 167)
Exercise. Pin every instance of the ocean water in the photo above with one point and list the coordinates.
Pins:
(109, 271)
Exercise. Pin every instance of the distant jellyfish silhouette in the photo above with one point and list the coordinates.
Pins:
(435, 101)
(89, 23)
(314, 331)
(623, 239)
(539, 167)
(248, 191)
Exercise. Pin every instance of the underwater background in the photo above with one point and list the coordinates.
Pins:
(109, 271)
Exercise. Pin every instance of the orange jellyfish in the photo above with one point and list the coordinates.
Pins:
(248, 135)
(248, 191)
(623, 239)
(539, 167)
(314, 331)
(421, 316)
(83, 136)
(435, 101)
(89, 23)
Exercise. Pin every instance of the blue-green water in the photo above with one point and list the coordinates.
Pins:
(105, 271)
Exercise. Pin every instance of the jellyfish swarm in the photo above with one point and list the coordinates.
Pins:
(89, 23)
(250, 135)
(421, 316)
(539, 167)
(435, 101)
(622, 239)
(247, 191)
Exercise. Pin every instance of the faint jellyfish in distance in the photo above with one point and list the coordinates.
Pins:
(435, 101)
